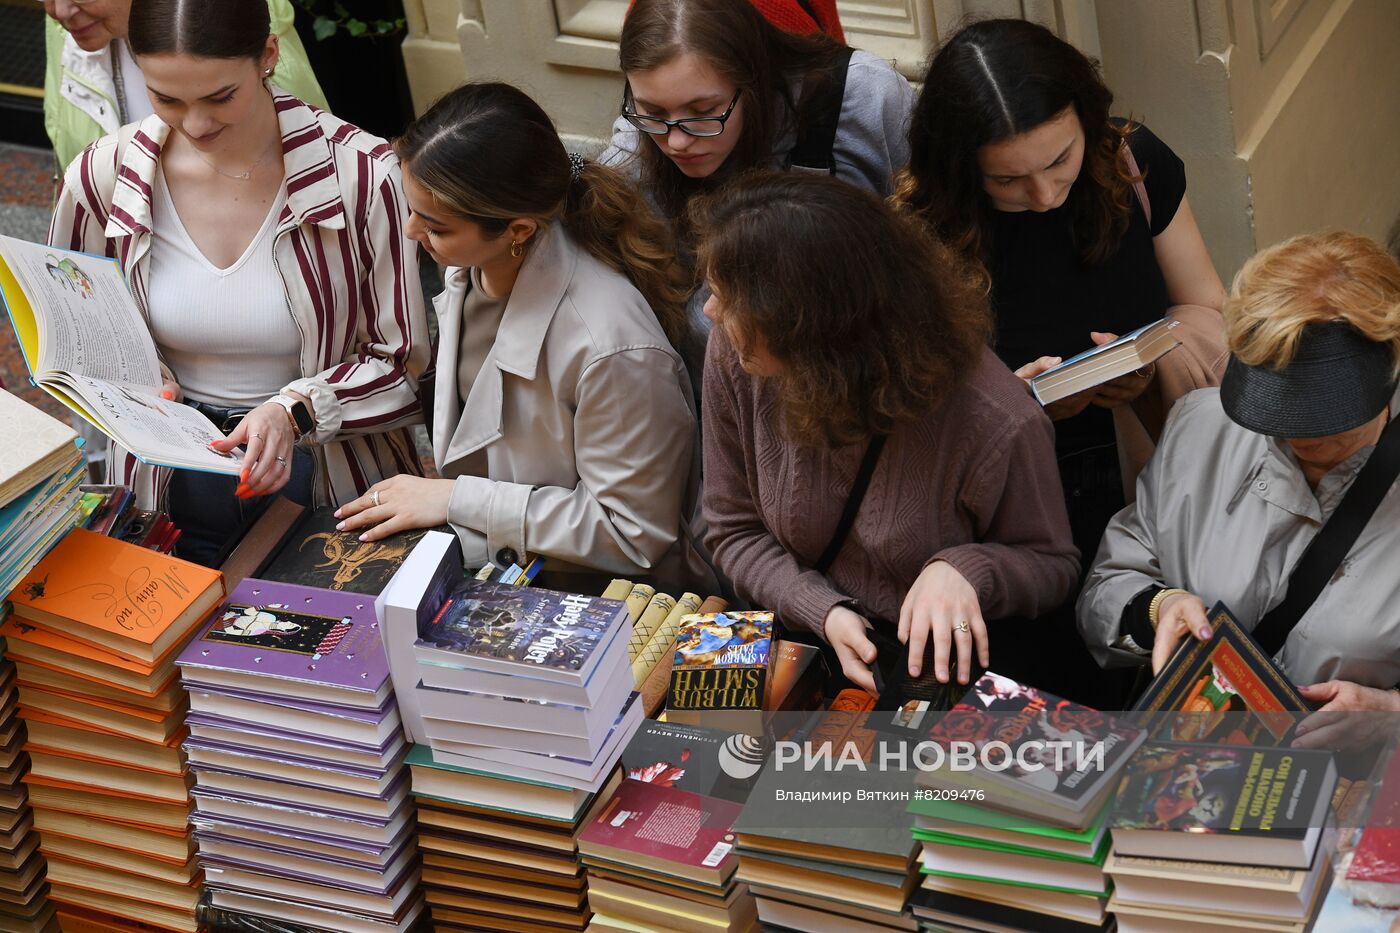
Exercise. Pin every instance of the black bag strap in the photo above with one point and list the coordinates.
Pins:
(1326, 551)
(816, 138)
(848, 514)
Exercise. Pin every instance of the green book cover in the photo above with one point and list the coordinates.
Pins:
(987, 818)
(929, 835)
(1107, 888)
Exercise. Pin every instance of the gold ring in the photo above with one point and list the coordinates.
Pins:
(963, 626)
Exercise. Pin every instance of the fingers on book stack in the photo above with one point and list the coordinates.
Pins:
(521, 701)
(302, 811)
(660, 849)
(94, 632)
(1222, 838)
(847, 869)
(41, 467)
(1018, 842)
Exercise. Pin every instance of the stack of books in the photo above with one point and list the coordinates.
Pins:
(660, 849)
(1019, 845)
(41, 467)
(302, 812)
(1222, 837)
(94, 633)
(521, 701)
(23, 905)
(853, 867)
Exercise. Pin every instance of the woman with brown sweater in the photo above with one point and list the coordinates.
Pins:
(838, 321)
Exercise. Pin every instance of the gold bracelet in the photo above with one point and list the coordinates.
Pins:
(1154, 607)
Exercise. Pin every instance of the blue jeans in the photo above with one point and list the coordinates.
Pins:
(203, 505)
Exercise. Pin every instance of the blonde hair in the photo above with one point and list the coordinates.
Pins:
(1312, 279)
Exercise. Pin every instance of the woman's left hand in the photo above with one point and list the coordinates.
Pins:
(942, 606)
(1124, 389)
(399, 503)
(267, 464)
(1334, 726)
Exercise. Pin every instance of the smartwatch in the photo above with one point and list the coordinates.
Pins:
(302, 422)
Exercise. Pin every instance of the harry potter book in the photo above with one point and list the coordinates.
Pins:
(720, 663)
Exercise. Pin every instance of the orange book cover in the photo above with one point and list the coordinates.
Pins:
(149, 715)
(43, 715)
(127, 599)
(32, 778)
(73, 922)
(96, 759)
(80, 675)
(19, 629)
(27, 684)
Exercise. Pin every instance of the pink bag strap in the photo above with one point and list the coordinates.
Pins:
(1139, 188)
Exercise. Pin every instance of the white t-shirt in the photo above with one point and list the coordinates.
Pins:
(227, 334)
(137, 103)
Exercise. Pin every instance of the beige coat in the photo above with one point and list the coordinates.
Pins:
(577, 441)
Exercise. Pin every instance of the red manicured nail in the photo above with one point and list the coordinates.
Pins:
(166, 393)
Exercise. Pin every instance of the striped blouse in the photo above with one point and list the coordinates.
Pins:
(349, 273)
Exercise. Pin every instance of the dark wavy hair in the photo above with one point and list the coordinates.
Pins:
(490, 154)
(996, 79)
(760, 59)
(874, 320)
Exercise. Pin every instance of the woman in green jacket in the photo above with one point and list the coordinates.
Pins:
(92, 85)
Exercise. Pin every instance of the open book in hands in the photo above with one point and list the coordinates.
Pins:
(1132, 351)
(86, 344)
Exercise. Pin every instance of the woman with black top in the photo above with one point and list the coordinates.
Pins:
(1015, 161)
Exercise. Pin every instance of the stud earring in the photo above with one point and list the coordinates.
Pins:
(267, 73)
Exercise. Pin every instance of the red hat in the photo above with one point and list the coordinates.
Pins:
(799, 16)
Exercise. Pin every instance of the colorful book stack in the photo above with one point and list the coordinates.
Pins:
(302, 811)
(851, 871)
(1025, 846)
(94, 633)
(41, 466)
(1222, 837)
(659, 851)
(521, 701)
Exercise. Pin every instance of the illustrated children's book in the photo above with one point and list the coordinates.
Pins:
(721, 662)
(86, 344)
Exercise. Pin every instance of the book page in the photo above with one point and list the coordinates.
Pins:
(153, 428)
(74, 313)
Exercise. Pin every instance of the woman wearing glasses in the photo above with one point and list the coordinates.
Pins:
(714, 89)
(563, 418)
(263, 240)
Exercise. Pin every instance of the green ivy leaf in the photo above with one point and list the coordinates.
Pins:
(324, 27)
(356, 27)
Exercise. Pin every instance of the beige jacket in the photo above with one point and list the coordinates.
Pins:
(577, 441)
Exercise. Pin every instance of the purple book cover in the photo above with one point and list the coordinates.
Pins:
(290, 632)
(253, 755)
(233, 829)
(334, 710)
(195, 719)
(270, 806)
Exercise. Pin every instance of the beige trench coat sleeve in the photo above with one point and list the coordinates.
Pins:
(633, 444)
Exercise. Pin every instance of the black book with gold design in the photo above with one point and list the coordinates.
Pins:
(315, 554)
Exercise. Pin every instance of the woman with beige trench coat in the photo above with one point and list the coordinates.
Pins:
(564, 420)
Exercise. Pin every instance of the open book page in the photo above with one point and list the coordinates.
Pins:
(155, 429)
(73, 313)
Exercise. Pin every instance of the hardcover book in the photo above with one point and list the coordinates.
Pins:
(36, 445)
(1225, 690)
(115, 596)
(316, 554)
(665, 830)
(1224, 803)
(295, 640)
(1098, 365)
(1061, 759)
(536, 633)
(1374, 873)
(691, 758)
(721, 662)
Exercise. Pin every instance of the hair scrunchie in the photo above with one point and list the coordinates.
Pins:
(576, 163)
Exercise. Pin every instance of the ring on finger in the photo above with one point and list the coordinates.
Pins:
(963, 626)
(257, 437)
(281, 460)
(374, 497)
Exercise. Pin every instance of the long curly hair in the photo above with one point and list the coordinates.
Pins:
(489, 154)
(874, 321)
(762, 61)
(993, 80)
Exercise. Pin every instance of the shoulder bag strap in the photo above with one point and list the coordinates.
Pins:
(1139, 188)
(1331, 545)
(848, 514)
(816, 138)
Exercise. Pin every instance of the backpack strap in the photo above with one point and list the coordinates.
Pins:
(816, 138)
(1139, 188)
(1331, 545)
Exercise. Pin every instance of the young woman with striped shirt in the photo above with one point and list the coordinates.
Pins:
(264, 242)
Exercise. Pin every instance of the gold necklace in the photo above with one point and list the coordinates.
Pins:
(241, 176)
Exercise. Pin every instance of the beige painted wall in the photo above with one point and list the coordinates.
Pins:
(1286, 112)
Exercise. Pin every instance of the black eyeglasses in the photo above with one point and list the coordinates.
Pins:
(691, 126)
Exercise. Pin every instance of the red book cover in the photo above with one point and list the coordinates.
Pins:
(650, 823)
(1377, 856)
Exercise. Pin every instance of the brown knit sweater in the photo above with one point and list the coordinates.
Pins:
(974, 484)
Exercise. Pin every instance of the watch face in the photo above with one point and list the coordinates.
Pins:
(302, 417)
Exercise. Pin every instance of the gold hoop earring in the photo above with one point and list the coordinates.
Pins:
(517, 249)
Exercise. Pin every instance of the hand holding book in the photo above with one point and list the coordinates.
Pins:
(1335, 725)
(1178, 615)
(1111, 374)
